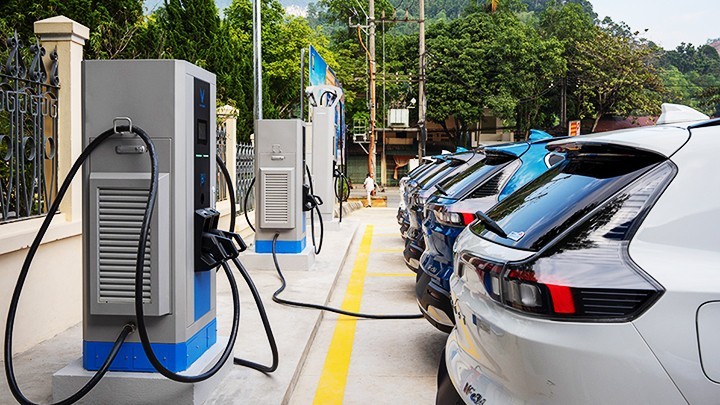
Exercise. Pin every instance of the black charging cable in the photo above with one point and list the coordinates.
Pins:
(245, 203)
(248, 280)
(317, 202)
(276, 297)
(12, 311)
(139, 310)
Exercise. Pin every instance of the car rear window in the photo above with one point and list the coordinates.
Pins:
(544, 208)
(465, 181)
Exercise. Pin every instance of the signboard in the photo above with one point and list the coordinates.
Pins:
(320, 73)
(574, 128)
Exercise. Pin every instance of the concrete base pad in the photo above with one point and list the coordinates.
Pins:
(143, 388)
(264, 261)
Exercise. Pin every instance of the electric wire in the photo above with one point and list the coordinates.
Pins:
(253, 289)
(276, 297)
(12, 311)
(139, 307)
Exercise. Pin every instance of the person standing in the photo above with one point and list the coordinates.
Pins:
(369, 188)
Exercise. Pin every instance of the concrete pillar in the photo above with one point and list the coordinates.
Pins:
(68, 38)
(228, 115)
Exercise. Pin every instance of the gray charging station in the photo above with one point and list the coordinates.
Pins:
(174, 102)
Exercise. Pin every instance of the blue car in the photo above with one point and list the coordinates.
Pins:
(410, 183)
(420, 190)
(453, 206)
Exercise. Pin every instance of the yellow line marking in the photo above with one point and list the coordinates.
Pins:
(331, 387)
(398, 250)
(391, 274)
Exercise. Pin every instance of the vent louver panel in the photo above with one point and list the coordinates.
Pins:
(276, 198)
(120, 216)
(492, 186)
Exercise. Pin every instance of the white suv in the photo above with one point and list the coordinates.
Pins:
(599, 282)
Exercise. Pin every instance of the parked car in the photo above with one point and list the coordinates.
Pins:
(598, 281)
(415, 242)
(422, 189)
(452, 207)
(410, 182)
(402, 216)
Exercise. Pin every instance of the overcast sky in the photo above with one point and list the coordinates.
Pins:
(668, 22)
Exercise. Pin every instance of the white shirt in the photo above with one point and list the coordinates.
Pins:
(369, 184)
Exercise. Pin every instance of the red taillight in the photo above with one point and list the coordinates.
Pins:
(586, 275)
(562, 299)
(453, 218)
(468, 218)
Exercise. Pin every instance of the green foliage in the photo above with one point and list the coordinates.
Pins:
(489, 61)
(616, 76)
(113, 23)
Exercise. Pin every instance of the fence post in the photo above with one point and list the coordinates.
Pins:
(68, 38)
(228, 115)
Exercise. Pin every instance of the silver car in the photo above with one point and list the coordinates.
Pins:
(599, 282)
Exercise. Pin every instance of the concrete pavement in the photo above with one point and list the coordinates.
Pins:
(324, 359)
(374, 361)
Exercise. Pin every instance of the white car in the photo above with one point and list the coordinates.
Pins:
(599, 282)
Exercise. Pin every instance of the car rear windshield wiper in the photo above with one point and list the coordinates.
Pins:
(491, 225)
(441, 189)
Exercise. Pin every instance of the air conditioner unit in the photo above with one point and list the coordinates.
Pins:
(360, 138)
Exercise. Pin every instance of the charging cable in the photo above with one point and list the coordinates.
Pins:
(248, 280)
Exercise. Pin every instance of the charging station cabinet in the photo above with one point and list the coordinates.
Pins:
(323, 154)
(174, 102)
(279, 173)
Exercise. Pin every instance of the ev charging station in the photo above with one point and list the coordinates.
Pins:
(174, 101)
(323, 101)
(279, 175)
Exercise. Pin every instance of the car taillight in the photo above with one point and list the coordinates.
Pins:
(586, 275)
(454, 218)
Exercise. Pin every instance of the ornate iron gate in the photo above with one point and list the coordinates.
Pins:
(245, 161)
(28, 132)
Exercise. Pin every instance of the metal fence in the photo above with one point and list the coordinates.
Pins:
(245, 164)
(28, 131)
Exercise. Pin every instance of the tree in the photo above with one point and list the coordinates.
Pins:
(491, 61)
(616, 75)
(112, 23)
(571, 25)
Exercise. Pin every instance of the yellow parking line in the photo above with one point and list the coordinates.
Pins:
(331, 387)
(391, 274)
(398, 250)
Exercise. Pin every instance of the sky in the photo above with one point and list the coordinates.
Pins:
(668, 22)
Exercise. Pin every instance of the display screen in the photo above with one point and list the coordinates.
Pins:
(202, 132)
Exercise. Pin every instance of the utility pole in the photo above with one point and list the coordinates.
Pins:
(422, 102)
(563, 105)
(257, 62)
(373, 103)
